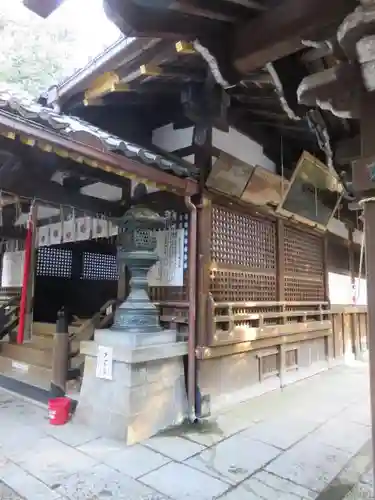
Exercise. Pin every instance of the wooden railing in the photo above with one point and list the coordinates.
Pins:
(9, 311)
(234, 327)
(101, 319)
(174, 315)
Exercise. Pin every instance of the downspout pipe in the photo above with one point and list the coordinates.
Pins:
(192, 298)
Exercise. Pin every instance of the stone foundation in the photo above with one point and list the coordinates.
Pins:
(147, 392)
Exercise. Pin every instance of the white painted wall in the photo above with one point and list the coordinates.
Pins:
(233, 143)
(241, 147)
(340, 289)
(12, 271)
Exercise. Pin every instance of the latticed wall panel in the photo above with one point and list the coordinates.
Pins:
(304, 265)
(243, 254)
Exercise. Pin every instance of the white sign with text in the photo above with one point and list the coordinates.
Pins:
(104, 363)
(169, 270)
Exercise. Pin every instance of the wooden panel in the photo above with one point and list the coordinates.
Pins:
(229, 175)
(338, 335)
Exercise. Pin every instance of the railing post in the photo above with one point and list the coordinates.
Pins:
(60, 359)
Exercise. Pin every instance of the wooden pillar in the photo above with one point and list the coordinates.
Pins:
(352, 270)
(325, 267)
(280, 261)
(203, 272)
(364, 185)
(123, 278)
(31, 280)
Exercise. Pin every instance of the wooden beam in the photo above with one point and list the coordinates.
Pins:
(137, 20)
(42, 8)
(12, 233)
(278, 32)
(26, 183)
(220, 9)
(347, 150)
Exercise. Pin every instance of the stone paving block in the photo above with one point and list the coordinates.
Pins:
(368, 478)
(103, 483)
(361, 491)
(180, 482)
(13, 444)
(265, 486)
(310, 464)
(135, 461)
(358, 412)
(72, 433)
(25, 484)
(347, 436)
(282, 432)
(174, 447)
(102, 447)
(234, 459)
(7, 493)
(50, 460)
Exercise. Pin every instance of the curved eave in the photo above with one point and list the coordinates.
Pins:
(35, 135)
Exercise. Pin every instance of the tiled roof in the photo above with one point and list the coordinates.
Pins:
(24, 107)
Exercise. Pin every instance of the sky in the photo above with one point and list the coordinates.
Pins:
(85, 19)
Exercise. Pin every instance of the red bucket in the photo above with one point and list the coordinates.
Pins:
(58, 411)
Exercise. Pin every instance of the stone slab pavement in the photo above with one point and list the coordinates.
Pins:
(309, 441)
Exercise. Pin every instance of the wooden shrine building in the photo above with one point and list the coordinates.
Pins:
(207, 122)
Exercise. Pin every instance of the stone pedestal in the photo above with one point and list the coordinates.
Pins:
(147, 392)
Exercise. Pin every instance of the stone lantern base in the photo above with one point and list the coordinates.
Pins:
(146, 394)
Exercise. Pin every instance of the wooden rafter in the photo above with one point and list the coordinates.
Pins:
(279, 31)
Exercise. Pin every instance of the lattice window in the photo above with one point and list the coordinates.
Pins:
(304, 290)
(304, 265)
(242, 286)
(54, 262)
(97, 266)
(244, 249)
(239, 239)
(303, 252)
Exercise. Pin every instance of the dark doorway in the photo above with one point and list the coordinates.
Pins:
(80, 276)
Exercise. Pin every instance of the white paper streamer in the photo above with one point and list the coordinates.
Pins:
(69, 231)
(55, 234)
(43, 236)
(83, 228)
(100, 228)
(112, 229)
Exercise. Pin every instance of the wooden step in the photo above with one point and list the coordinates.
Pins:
(27, 353)
(47, 342)
(50, 328)
(37, 376)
